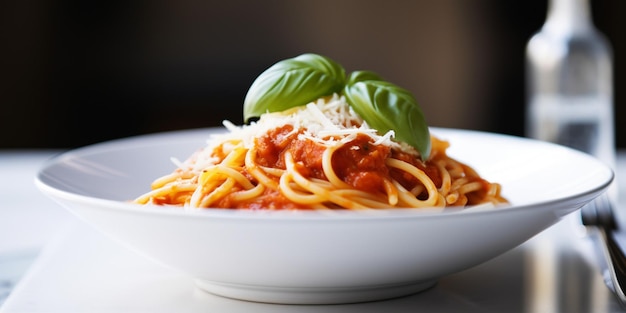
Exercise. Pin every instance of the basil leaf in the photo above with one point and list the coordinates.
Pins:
(358, 76)
(293, 82)
(385, 106)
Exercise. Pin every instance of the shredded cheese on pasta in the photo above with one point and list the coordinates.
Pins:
(329, 158)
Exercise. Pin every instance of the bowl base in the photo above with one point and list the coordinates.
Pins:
(311, 295)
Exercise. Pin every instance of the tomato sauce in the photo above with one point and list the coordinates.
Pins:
(361, 164)
(358, 163)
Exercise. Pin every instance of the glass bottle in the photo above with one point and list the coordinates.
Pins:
(569, 83)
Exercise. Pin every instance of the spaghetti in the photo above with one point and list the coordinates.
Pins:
(318, 156)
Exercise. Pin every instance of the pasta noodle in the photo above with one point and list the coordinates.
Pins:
(318, 156)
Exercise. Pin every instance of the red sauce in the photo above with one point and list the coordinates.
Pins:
(359, 163)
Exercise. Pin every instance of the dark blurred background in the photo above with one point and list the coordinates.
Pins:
(74, 73)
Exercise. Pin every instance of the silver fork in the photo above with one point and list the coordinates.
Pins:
(599, 215)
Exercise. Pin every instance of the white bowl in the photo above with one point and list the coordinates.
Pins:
(322, 257)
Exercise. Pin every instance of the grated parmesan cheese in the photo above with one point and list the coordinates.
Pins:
(328, 122)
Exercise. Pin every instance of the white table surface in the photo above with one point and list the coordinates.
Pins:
(52, 262)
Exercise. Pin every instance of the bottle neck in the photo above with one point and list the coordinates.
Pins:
(569, 16)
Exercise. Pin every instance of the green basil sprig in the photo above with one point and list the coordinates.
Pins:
(385, 106)
(308, 77)
(293, 82)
